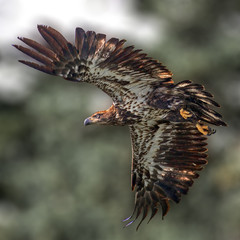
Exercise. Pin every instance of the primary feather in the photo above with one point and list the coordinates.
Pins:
(166, 120)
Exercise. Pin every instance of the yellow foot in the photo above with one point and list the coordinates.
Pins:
(204, 129)
(185, 114)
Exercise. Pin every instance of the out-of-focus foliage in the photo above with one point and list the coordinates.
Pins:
(60, 180)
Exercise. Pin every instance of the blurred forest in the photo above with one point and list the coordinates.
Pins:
(60, 180)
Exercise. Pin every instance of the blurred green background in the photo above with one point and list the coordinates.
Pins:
(60, 180)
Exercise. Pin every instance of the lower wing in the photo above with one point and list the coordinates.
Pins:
(166, 158)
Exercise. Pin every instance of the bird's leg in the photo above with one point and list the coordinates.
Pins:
(185, 114)
(204, 129)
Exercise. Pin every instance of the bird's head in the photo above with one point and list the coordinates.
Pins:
(107, 117)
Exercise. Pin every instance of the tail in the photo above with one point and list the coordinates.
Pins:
(200, 103)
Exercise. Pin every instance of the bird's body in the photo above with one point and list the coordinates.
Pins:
(167, 121)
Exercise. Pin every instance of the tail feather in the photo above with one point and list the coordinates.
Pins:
(200, 102)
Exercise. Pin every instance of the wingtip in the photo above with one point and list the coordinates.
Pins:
(39, 26)
(79, 29)
(221, 123)
(23, 61)
(18, 47)
(23, 39)
(128, 224)
(126, 219)
(224, 124)
(42, 27)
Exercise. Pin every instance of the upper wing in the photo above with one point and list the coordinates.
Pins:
(113, 68)
(166, 157)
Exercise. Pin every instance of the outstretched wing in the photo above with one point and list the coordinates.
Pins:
(166, 158)
(115, 69)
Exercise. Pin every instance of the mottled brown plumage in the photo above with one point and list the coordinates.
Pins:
(167, 121)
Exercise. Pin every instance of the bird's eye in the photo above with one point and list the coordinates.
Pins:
(98, 116)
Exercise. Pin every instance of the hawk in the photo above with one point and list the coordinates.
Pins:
(168, 122)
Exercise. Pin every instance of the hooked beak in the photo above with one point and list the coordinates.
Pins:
(87, 121)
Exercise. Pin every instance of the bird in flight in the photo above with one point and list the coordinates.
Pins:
(168, 122)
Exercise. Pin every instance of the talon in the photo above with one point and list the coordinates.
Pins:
(204, 129)
(185, 114)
